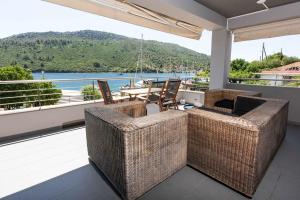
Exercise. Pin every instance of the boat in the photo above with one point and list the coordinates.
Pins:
(140, 83)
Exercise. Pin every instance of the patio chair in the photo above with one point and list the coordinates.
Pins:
(159, 84)
(153, 97)
(105, 91)
(168, 96)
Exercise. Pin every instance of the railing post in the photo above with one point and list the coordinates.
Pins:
(94, 90)
(39, 95)
(132, 82)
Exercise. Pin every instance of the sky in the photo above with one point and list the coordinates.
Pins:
(20, 16)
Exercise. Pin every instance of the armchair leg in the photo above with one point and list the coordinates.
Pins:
(175, 105)
(160, 106)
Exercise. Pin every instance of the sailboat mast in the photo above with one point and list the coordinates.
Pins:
(141, 56)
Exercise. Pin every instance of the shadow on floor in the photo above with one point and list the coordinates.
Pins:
(281, 181)
(82, 183)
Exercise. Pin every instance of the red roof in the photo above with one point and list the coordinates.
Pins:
(293, 68)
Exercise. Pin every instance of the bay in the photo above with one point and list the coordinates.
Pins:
(114, 84)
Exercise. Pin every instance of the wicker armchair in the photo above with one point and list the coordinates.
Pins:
(134, 151)
(213, 96)
(236, 150)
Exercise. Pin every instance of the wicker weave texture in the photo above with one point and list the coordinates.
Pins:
(136, 153)
(132, 108)
(236, 150)
(212, 96)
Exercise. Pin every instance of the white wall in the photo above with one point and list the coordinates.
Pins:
(35, 119)
(272, 77)
(192, 97)
(287, 93)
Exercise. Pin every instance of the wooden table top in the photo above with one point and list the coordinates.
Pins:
(140, 91)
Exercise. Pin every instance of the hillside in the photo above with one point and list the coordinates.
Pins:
(92, 51)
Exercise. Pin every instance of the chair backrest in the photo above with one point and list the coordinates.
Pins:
(158, 84)
(171, 89)
(149, 92)
(151, 97)
(105, 91)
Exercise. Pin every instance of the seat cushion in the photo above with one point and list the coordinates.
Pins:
(225, 103)
(246, 104)
(217, 111)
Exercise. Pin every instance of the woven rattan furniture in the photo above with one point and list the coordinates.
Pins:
(236, 150)
(215, 95)
(136, 152)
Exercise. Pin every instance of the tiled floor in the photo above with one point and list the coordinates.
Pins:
(57, 167)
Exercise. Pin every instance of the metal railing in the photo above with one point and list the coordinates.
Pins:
(37, 93)
(267, 81)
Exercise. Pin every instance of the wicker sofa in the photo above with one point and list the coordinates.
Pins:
(236, 150)
(212, 97)
(136, 152)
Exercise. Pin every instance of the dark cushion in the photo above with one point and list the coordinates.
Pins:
(217, 111)
(246, 104)
(225, 103)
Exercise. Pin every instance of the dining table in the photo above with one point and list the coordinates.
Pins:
(133, 93)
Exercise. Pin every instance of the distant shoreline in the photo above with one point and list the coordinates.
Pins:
(144, 72)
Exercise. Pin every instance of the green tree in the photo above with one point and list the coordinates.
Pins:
(96, 64)
(203, 74)
(240, 74)
(239, 65)
(288, 60)
(90, 93)
(257, 66)
(14, 96)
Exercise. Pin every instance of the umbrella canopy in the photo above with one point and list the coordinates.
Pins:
(127, 12)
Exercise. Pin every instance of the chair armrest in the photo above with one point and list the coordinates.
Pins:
(142, 98)
(220, 120)
(211, 97)
(131, 108)
(261, 115)
(271, 120)
(160, 118)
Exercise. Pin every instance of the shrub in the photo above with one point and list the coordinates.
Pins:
(90, 93)
(203, 74)
(25, 95)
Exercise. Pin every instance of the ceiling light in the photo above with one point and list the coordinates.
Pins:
(262, 2)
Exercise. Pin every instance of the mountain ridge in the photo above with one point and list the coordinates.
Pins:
(94, 51)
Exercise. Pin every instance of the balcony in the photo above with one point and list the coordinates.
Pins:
(56, 166)
(41, 157)
(48, 158)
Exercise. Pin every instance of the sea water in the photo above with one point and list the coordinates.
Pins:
(115, 85)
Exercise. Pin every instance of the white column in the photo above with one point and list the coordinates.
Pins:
(220, 58)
